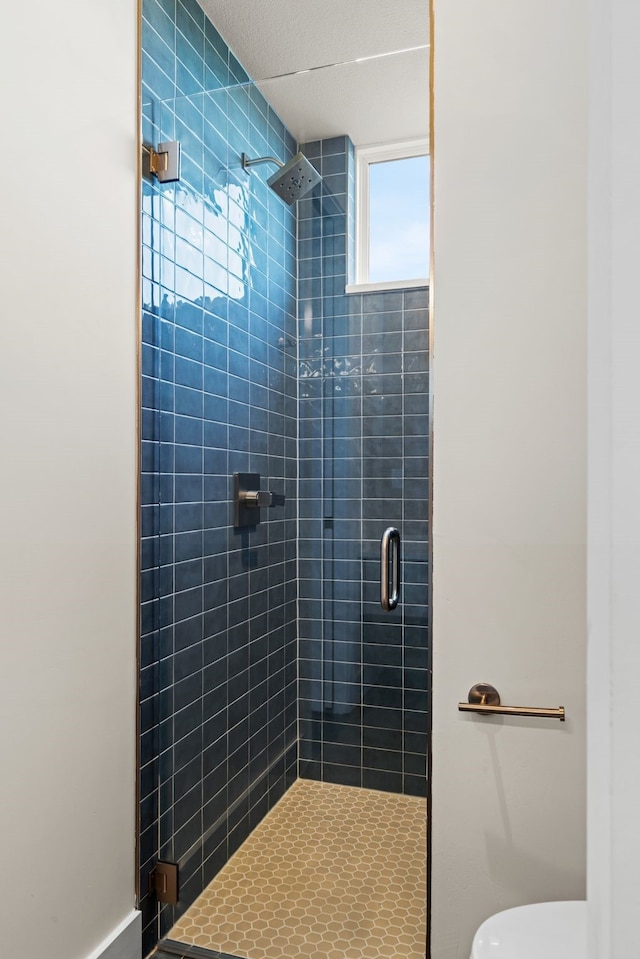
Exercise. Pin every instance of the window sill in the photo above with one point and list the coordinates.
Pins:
(385, 285)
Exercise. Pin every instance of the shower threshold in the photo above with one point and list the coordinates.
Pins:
(332, 872)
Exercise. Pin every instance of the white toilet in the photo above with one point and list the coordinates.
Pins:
(544, 930)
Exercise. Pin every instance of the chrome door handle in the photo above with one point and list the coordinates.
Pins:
(390, 550)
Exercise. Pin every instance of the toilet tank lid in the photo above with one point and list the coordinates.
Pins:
(555, 930)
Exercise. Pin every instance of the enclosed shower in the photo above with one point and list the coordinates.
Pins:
(283, 711)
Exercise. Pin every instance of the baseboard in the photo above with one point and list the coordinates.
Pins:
(125, 942)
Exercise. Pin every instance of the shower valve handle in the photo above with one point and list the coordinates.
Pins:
(257, 498)
(249, 499)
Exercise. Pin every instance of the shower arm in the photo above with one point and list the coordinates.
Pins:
(246, 162)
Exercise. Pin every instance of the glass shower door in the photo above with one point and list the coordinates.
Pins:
(363, 468)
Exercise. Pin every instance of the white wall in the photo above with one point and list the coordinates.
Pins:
(614, 480)
(68, 482)
(509, 467)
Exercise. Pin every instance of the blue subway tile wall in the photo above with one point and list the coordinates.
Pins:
(363, 466)
(218, 713)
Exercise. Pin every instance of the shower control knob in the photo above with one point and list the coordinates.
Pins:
(256, 498)
(249, 499)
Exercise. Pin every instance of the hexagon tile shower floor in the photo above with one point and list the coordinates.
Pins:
(333, 872)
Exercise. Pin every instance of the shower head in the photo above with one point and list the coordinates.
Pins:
(292, 180)
(295, 179)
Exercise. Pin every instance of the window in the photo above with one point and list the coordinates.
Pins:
(392, 216)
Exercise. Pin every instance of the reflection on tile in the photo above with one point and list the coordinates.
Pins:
(332, 872)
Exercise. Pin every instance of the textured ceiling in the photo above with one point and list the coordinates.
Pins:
(374, 102)
(380, 100)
